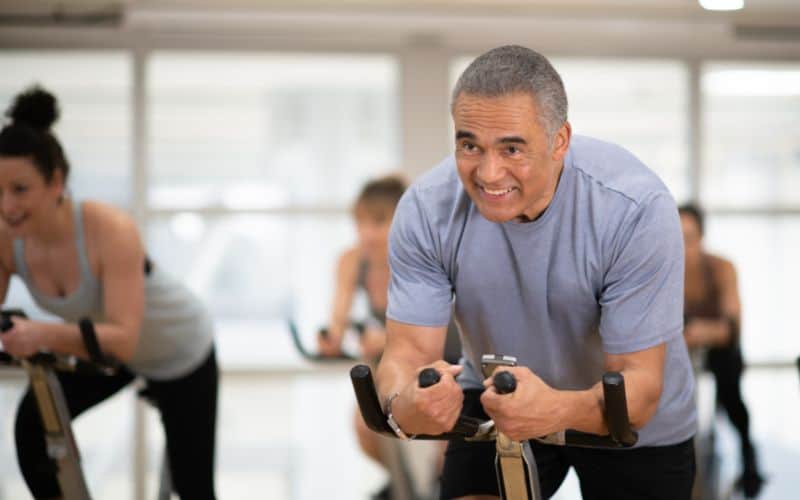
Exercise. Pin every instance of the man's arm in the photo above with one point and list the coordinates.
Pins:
(409, 349)
(644, 379)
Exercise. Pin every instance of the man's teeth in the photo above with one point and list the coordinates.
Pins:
(498, 192)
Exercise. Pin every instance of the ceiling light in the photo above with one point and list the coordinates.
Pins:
(721, 4)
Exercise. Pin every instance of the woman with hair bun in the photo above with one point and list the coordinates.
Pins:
(85, 259)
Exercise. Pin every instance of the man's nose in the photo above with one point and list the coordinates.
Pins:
(491, 169)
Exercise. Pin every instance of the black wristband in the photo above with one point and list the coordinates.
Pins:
(90, 340)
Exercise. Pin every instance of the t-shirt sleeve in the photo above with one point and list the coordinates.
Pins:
(641, 302)
(420, 292)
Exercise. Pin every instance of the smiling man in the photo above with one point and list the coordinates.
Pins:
(563, 251)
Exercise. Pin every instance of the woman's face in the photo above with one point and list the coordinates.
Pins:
(692, 238)
(25, 196)
(372, 226)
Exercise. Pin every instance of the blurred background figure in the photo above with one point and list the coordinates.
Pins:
(365, 268)
(84, 259)
(712, 328)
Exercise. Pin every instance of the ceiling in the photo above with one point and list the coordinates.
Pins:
(768, 27)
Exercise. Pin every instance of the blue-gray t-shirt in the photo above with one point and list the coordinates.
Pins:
(601, 270)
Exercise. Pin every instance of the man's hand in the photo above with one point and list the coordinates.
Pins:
(534, 409)
(23, 339)
(431, 410)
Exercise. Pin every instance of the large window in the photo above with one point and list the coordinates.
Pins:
(763, 249)
(752, 135)
(254, 162)
(258, 131)
(93, 90)
(641, 105)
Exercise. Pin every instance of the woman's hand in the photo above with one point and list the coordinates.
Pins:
(23, 339)
(329, 344)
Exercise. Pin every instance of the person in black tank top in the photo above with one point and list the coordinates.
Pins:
(712, 314)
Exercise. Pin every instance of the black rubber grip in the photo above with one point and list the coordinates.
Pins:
(5, 318)
(504, 382)
(617, 409)
(5, 324)
(429, 377)
(367, 397)
(372, 411)
(89, 337)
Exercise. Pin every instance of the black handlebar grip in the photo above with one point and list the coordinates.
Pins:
(504, 382)
(619, 425)
(367, 397)
(429, 377)
(5, 323)
(5, 318)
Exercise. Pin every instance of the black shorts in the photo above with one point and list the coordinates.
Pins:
(660, 472)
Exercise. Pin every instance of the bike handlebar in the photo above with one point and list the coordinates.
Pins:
(98, 364)
(359, 327)
(621, 435)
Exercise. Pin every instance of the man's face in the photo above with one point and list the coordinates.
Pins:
(507, 165)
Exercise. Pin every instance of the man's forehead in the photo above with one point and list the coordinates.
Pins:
(501, 115)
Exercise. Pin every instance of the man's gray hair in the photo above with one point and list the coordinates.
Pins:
(510, 69)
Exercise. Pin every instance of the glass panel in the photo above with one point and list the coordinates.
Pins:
(263, 131)
(764, 251)
(751, 134)
(253, 272)
(639, 104)
(93, 90)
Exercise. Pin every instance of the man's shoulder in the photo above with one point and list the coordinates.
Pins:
(612, 168)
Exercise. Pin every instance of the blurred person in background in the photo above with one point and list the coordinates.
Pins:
(712, 312)
(365, 267)
(85, 259)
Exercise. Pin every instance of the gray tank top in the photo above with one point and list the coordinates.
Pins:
(177, 332)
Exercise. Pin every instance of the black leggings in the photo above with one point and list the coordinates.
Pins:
(646, 473)
(188, 407)
(726, 364)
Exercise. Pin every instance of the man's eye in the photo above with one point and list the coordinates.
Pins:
(468, 146)
(512, 150)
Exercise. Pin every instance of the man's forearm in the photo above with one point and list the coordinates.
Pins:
(585, 410)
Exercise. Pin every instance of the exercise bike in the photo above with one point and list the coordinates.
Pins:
(56, 420)
(515, 466)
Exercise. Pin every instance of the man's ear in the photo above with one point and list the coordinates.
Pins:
(561, 141)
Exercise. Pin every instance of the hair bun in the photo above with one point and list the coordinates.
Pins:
(35, 107)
